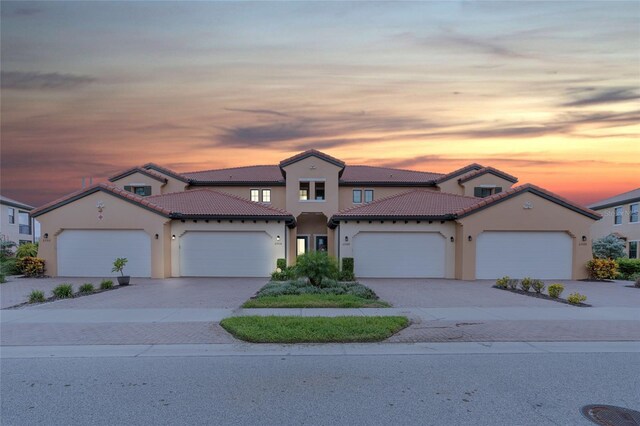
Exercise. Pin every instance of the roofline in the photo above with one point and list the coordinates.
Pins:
(93, 190)
(167, 172)
(136, 170)
(454, 174)
(336, 218)
(235, 183)
(311, 153)
(491, 170)
(430, 183)
(616, 204)
(289, 220)
(537, 192)
(17, 205)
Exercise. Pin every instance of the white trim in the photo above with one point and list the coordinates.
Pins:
(312, 180)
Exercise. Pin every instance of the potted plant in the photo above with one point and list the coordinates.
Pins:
(118, 266)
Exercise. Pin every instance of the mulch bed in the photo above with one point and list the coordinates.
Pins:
(544, 296)
(53, 298)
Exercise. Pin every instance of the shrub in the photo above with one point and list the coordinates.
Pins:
(576, 298)
(31, 266)
(503, 282)
(609, 247)
(328, 286)
(63, 291)
(602, 269)
(348, 264)
(525, 284)
(86, 288)
(106, 284)
(637, 283)
(628, 268)
(9, 266)
(3, 279)
(555, 290)
(36, 296)
(346, 276)
(316, 266)
(6, 247)
(281, 264)
(512, 283)
(538, 286)
(27, 250)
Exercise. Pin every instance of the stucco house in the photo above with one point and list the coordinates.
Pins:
(16, 223)
(469, 224)
(620, 217)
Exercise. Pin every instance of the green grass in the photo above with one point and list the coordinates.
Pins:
(314, 301)
(276, 329)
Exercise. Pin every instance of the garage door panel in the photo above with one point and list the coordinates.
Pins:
(90, 253)
(543, 255)
(226, 254)
(399, 255)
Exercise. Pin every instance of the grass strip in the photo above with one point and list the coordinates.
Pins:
(294, 329)
(314, 301)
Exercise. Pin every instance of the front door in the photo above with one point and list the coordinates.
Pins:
(302, 245)
(321, 243)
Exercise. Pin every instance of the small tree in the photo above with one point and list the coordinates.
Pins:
(119, 264)
(316, 266)
(609, 247)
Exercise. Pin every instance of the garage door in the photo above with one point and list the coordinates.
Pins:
(227, 254)
(544, 255)
(90, 253)
(399, 255)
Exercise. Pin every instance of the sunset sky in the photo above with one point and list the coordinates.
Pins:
(546, 91)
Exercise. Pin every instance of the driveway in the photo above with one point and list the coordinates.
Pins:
(143, 293)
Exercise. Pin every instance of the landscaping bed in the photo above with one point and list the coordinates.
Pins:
(65, 291)
(301, 294)
(544, 296)
(289, 329)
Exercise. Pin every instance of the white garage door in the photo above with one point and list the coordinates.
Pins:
(544, 255)
(90, 253)
(399, 255)
(227, 254)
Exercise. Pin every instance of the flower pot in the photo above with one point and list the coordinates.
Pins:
(124, 280)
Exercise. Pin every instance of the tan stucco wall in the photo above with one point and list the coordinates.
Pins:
(272, 228)
(11, 231)
(485, 179)
(278, 193)
(510, 215)
(173, 185)
(451, 186)
(312, 168)
(138, 179)
(605, 226)
(352, 228)
(117, 214)
(379, 192)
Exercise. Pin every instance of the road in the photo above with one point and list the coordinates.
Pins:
(441, 389)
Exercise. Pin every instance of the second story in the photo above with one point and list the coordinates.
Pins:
(16, 223)
(314, 182)
(620, 216)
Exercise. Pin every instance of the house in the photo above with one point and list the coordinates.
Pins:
(16, 223)
(620, 217)
(469, 224)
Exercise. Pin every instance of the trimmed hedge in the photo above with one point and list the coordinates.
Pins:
(627, 268)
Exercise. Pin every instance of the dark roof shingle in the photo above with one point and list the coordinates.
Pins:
(249, 174)
(377, 175)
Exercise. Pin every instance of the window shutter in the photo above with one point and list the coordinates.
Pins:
(127, 188)
(147, 190)
(477, 192)
(498, 189)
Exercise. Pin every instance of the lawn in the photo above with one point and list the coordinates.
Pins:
(314, 301)
(287, 329)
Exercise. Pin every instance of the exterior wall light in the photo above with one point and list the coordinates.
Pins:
(452, 240)
(157, 236)
(46, 235)
(346, 239)
(173, 237)
(584, 238)
(278, 238)
(470, 238)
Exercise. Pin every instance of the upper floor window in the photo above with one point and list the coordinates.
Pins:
(255, 195)
(12, 215)
(617, 216)
(633, 213)
(24, 223)
(142, 190)
(633, 249)
(486, 191)
(319, 190)
(368, 195)
(357, 196)
(266, 195)
(304, 191)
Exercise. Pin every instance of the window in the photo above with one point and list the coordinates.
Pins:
(255, 195)
(617, 218)
(24, 223)
(486, 191)
(304, 191)
(357, 196)
(633, 249)
(266, 195)
(368, 195)
(633, 213)
(12, 215)
(142, 190)
(319, 190)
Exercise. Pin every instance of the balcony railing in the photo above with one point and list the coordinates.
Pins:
(24, 229)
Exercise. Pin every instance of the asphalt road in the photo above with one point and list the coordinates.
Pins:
(474, 389)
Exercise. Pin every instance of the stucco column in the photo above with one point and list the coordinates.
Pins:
(331, 249)
(291, 255)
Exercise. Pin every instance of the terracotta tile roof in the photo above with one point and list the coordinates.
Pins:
(309, 153)
(497, 198)
(377, 175)
(419, 203)
(485, 170)
(149, 172)
(11, 202)
(118, 192)
(625, 197)
(249, 174)
(165, 171)
(207, 202)
(459, 172)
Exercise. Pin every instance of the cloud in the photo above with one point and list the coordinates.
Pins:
(20, 80)
(26, 11)
(259, 111)
(607, 96)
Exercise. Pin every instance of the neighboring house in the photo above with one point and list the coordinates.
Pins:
(620, 217)
(466, 224)
(15, 221)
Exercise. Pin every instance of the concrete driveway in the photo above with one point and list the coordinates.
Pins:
(143, 293)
